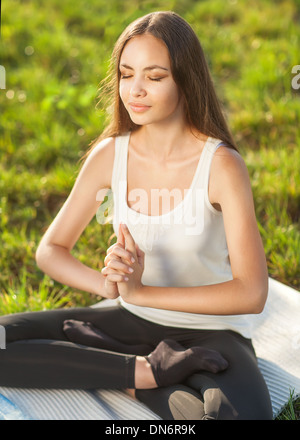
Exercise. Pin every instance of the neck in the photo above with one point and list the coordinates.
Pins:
(163, 142)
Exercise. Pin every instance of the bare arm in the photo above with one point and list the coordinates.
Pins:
(247, 291)
(53, 255)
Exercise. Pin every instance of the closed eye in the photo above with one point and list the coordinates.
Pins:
(124, 76)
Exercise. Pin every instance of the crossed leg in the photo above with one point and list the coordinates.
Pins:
(237, 393)
(39, 354)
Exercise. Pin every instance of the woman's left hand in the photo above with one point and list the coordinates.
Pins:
(128, 289)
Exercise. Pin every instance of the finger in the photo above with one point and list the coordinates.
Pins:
(119, 266)
(110, 257)
(119, 253)
(116, 278)
(120, 241)
(108, 250)
(121, 238)
(129, 241)
(140, 255)
(108, 271)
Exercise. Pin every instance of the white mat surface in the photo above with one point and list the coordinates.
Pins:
(276, 341)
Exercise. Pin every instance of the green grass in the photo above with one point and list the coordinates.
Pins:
(56, 55)
(291, 411)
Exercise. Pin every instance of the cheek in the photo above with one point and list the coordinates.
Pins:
(171, 97)
(123, 90)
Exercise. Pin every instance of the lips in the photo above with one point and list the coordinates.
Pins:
(138, 107)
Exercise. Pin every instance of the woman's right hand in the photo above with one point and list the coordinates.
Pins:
(115, 269)
(111, 290)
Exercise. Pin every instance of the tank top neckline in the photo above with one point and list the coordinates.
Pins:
(185, 198)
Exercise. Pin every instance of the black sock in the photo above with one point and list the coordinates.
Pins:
(171, 363)
(86, 334)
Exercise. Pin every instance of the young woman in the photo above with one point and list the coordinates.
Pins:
(188, 268)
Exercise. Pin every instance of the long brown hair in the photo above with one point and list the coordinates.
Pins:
(190, 72)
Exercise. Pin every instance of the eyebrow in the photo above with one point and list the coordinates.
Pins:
(155, 66)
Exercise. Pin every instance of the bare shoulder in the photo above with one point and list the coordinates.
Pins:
(104, 150)
(228, 163)
(228, 172)
(100, 161)
(104, 146)
(228, 156)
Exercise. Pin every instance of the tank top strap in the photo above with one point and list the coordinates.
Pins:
(207, 155)
(119, 173)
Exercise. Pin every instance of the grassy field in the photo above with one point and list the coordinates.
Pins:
(56, 54)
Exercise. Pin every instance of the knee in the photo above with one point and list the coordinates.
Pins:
(13, 329)
(177, 402)
(221, 405)
(186, 404)
(216, 405)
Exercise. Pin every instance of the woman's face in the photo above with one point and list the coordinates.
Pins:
(147, 88)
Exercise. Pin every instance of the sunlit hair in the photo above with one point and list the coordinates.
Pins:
(190, 72)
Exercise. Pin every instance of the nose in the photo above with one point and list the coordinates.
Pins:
(137, 88)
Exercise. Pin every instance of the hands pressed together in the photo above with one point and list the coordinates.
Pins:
(124, 266)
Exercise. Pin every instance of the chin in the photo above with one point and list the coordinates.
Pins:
(140, 120)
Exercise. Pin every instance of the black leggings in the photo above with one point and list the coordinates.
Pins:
(38, 355)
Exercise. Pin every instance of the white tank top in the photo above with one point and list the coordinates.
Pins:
(184, 247)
